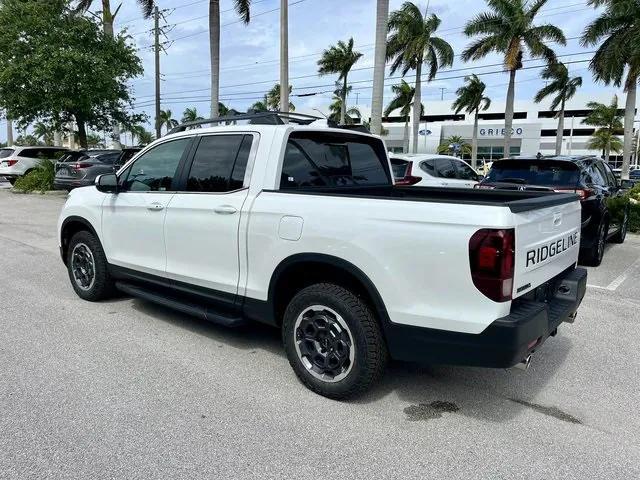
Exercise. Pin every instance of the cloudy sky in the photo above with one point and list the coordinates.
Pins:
(249, 54)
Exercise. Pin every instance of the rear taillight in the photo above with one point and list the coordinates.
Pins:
(583, 193)
(492, 260)
(408, 179)
(79, 166)
(10, 163)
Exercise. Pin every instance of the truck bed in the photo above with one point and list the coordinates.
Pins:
(516, 201)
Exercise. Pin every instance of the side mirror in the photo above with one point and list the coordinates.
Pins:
(107, 183)
(627, 184)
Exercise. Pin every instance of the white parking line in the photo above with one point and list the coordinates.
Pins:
(619, 280)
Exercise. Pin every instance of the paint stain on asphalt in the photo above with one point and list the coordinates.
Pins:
(428, 411)
(550, 411)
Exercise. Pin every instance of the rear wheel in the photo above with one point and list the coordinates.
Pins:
(622, 232)
(333, 341)
(593, 256)
(87, 267)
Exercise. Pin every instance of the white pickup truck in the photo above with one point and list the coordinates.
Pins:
(286, 221)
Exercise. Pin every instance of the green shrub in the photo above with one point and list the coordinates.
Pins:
(634, 209)
(39, 179)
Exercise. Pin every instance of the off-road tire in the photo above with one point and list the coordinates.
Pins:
(103, 286)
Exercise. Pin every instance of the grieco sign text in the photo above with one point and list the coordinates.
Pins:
(499, 132)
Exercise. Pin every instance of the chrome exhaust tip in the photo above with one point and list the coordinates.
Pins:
(524, 364)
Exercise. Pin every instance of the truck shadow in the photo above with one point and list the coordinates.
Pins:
(495, 395)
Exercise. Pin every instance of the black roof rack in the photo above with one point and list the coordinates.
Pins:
(255, 118)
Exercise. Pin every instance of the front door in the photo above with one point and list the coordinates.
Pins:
(133, 219)
(201, 228)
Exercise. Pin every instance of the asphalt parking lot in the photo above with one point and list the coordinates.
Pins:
(126, 389)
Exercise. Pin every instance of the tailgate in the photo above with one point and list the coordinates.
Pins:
(547, 243)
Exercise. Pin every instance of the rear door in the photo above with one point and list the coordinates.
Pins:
(466, 177)
(201, 228)
(547, 243)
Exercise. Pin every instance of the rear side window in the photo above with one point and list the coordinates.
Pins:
(445, 168)
(30, 153)
(546, 173)
(429, 166)
(6, 152)
(219, 163)
(317, 159)
(399, 167)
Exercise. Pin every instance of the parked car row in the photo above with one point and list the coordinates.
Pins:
(79, 169)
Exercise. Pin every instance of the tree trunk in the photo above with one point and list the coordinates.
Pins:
(629, 114)
(284, 56)
(474, 143)
(82, 132)
(607, 154)
(214, 50)
(9, 132)
(417, 97)
(380, 57)
(560, 132)
(343, 107)
(508, 113)
(57, 139)
(107, 25)
(405, 142)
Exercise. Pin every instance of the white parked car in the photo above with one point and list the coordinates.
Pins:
(300, 226)
(18, 161)
(427, 170)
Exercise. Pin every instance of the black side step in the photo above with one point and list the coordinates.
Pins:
(203, 311)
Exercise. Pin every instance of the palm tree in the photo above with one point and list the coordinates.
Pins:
(191, 115)
(273, 99)
(411, 44)
(339, 59)
(43, 131)
(260, 105)
(108, 17)
(509, 29)
(166, 120)
(471, 98)
(403, 100)
(144, 137)
(243, 9)
(564, 88)
(617, 30)
(336, 111)
(380, 56)
(455, 145)
(606, 141)
(607, 118)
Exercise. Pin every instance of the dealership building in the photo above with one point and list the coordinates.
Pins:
(534, 128)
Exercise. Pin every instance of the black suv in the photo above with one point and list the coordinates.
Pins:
(605, 211)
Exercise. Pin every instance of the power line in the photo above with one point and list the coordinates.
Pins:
(193, 99)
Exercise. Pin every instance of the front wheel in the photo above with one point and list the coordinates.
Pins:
(87, 267)
(333, 341)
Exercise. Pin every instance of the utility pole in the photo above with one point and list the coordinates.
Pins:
(284, 56)
(156, 49)
(442, 93)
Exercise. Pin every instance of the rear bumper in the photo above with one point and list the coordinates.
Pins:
(505, 342)
(69, 184)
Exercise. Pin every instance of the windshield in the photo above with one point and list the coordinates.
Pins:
(6, 152)
(543, 172)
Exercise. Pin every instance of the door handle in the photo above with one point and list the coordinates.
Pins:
(225, 210)
(155, 206)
